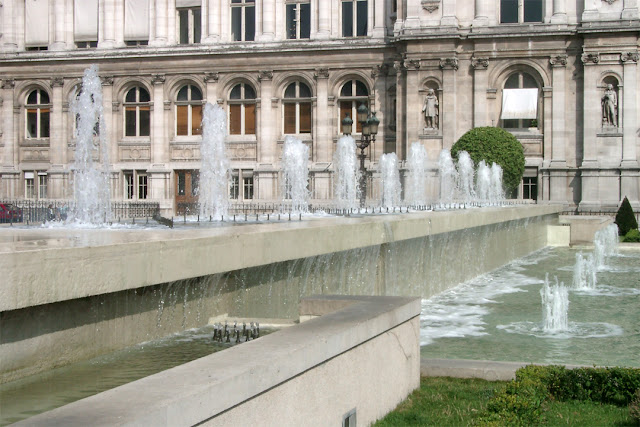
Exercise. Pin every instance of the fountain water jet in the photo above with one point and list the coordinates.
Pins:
(605, 244)
(91, 189)
(390, 180)
(448, 177)
(466, 175)
(214, 173)
(496, 193)
(584, 272)
(555, 307)
(483, 182)
(417, 175)
(295, 171)
(346, 175)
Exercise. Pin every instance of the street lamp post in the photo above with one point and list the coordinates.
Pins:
(369, 124)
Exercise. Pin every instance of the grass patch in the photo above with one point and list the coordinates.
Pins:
(444, 401)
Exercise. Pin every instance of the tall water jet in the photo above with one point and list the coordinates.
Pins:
(214, 173)
(295, 171)
(390, 180)
(555, 306)
(448, 177)
(483, 182)
(416, 176)
(584, 272)
(605, 244)
(346, 174)
(466, 177)
(496, 193)
(91, 189)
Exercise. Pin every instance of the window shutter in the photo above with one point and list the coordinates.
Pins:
(85, 20)
(36, 22)
(136, 20)
(250, 119)
(519, 104)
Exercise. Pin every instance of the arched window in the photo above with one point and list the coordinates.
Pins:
(520, 101)
(188, 111)
(297, 109)
(352, 95)
(37, 118)
(242, 110)
(137, 112)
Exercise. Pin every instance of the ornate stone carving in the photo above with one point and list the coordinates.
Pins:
(107, 81)
(265, 75)
(379, 69)
(477, 63)
(115, 106)
(449, 63)
(430, 5)
(412, 64)
(558, 61)
(57, 81)
(431, 110)
(211, 77)
(399, 66)
(629, 57)
(8, 84)
(167, 105)
(321, 73)
(609, 103)
(157, 79)
(593, 58)
(610, 1)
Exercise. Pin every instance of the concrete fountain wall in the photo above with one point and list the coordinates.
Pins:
(73, 294)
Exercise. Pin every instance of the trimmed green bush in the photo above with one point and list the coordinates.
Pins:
(632, 236)
(494, 145)
(634, 407)
(625, 219)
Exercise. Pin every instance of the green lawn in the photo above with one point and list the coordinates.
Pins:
(458, 402)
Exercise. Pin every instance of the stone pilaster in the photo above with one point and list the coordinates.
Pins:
(481, 17)
(268, 21)
(414, 116)
(213, 22)
(629, 168)
(107, 24)
(57, 142)
(58, 25)
(324, 19)
(379, 29)
(9, 34)
(448, 108)
(401, 106)
(558, 107)
(323, 124)
(630, 9)
(159, 141)
(8, 130)
(559, 12)
(449, 18)
(267, 145)
(159, 25)
(589, 169)
(480, 85)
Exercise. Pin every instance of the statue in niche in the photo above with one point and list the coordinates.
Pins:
(430, 110)
(609, 104)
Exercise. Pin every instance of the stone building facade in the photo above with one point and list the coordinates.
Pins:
(561, 76)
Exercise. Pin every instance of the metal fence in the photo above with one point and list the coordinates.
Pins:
(34, 211)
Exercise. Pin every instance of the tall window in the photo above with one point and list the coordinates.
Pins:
(298, 19)
(35, 184)
(189, 25)
(234, 183)
(136, 184)
(530, 188)
(137, 114)
(352, 95)
(37, 120)
(248, 187)
(354, 18)
(29, 185)
(242, 110)
(243, 20)
(42, 185)
(188, 111)
(142, 186)
(515, 11)
(297, 109)
(520, 102)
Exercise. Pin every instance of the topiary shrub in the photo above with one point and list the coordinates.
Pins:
(634, 406)
(494, 145)
(625, 219)
(633, 236)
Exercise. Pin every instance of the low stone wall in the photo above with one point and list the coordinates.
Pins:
(363, 359)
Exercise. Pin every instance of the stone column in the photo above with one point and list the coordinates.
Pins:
(107, 24)
(400, 15)
(401, 106)
(379, 74)
(559, 12)
(324, 19)
(9, 138)
(591, 124)
(480, 84)
(57, 143)
(448, 108)
(268, 20)
(630, 9)
(109, 107)
(159, 140)
(590, 12)
(413, 11)
(481, 18)
(58, 25)
(379, 29)
(9, 36)
(558, 107)
(213, 25)
(160, 23)
(449, 18)
(211, 80)
(629, 168)
(119, 23)
(267, 145)
(414, 123)
(324, 150)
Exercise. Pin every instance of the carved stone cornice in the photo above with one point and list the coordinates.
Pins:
(412, 64)
(449, 63)
(321, 73)
(430, 5)
(8, 84)
(629, 57)
(211, 77)
(157, 79)
(399, 66)
(107, 81)
(558, 61)
(265, 75)
(115, 106)
(479, 63)
(57, 81)
(592, 58)
(379, 69)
